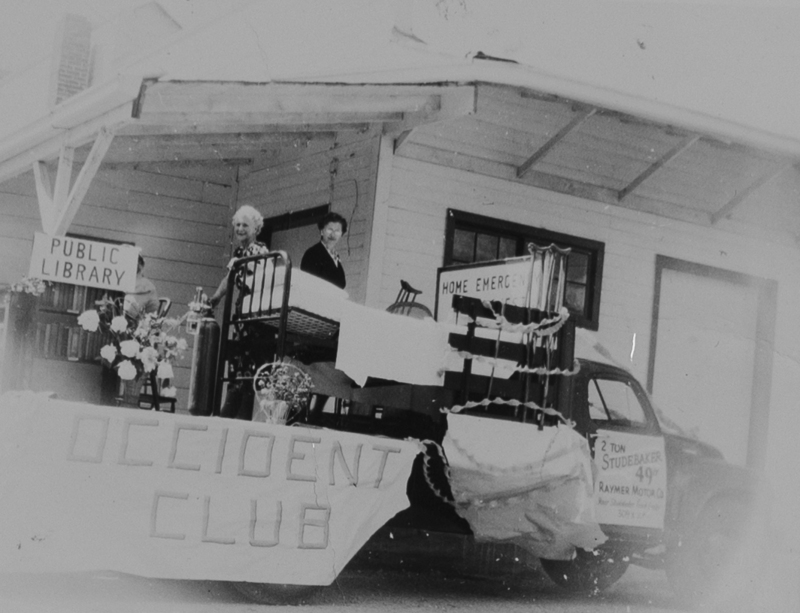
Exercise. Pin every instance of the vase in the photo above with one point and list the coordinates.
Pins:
(271, 411)
(131, 389)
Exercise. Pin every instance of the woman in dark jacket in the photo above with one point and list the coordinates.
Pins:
(321, 260)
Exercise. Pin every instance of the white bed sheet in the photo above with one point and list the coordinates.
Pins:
(308, 292)
(374, 343)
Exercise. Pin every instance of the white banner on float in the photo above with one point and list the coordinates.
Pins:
(181, 497)
(78, 261)
(631, 481)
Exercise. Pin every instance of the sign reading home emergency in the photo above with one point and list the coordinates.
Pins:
(161, 495)
(631, 481)
(78, 261)
(503, 280)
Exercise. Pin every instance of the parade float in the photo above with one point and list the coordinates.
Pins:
(487, 419)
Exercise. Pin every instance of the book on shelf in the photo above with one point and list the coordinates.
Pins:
(73, 343)
(67, 296)
(62, 344)
(72, 298)
(83, 337)
(78, 299)
(38, 346)
(48, 330)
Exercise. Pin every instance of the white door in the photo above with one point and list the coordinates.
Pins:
(704, 361)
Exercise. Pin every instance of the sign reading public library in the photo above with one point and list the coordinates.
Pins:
(162, 495)
(631, 482)
(77, 261)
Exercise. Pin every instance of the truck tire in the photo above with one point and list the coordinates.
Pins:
(705, 564)
(589, 572)
(274, 593)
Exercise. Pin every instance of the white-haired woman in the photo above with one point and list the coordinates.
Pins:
(247, 223)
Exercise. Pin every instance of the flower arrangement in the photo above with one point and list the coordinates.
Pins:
(29, 285)
(138, 345)
(282, 390)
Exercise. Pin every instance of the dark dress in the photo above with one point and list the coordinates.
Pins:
(318, 262)
(254, 345)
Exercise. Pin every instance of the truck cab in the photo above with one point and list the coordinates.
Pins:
(711, 511)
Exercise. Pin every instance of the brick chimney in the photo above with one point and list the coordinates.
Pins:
(72, 58)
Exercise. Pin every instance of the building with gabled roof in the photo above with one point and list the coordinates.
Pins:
(658, 142)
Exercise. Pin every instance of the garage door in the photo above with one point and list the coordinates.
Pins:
(707, 368)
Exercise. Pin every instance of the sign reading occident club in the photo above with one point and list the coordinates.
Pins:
(78, 261)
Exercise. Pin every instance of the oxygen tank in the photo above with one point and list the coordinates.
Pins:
(206, 331)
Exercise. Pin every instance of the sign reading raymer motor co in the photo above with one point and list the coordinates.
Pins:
(77, 261)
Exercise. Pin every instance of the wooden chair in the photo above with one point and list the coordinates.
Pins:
(147, 400)
(406, 303)
(164, 305)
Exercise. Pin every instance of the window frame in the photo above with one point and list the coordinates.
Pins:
(610, 418)
(590, 318)
(291, 220)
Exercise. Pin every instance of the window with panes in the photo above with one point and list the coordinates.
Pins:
(476, 238)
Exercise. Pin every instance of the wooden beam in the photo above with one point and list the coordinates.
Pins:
(562, 133)
(198, 147)
(376, 255)
(279, 98)
(66, 213)
(451, 103)
(153, 126)
(727, 209)
(63, 177)
(44, 194)
(660, 163)
(398, 142)
(289, 118)
(73, 137)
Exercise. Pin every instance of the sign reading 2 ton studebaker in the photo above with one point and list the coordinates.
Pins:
(78, 261)
(631, 479)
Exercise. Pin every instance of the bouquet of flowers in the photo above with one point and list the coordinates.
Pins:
(20, 298)
(283, 392)
(137, 345)
(30, 285)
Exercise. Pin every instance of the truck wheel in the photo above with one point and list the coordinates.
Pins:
(714, 551)
(274, 593)
(589, 572)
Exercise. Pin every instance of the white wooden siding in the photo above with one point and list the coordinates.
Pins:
(302, 180)
(181, 224)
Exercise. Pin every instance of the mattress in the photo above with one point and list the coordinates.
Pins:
(315, 305)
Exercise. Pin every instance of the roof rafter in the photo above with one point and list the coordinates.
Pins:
(574, 124)
(660, 163)
(727, 209)
(580, 189)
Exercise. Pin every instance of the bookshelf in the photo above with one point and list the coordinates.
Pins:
(43, 348)
(5, 298)
(56, 334)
